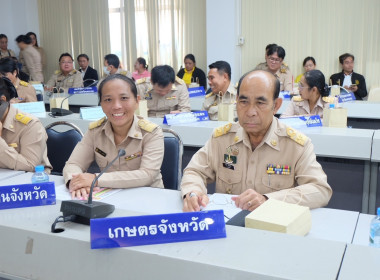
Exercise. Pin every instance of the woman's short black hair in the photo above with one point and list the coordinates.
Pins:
(191, 57)
(142, 61)
(7, 89)
(315, 78)
(129, 81)
(8, 65)
(307, 59)
(23, 38)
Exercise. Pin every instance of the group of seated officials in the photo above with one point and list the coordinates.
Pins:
(254, 159)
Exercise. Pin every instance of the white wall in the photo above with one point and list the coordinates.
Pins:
(18, 17)
(223, 28)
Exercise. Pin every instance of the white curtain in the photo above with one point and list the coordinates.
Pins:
(75, 27)
(323, 29)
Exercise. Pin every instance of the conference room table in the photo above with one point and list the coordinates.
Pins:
(30, 251)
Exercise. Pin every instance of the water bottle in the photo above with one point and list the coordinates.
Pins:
(40, 175)
(374, 234)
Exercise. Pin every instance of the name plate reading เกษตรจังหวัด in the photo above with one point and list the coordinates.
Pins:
(189, 117)
(27, 195)
(156, 229)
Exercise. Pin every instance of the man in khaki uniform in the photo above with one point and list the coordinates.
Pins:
(222, 90)
(4, 51)
(264, 65)
(274, 60)
(31, 59)
(140, 166)
(23, 138)
(165, 93)
(257, 159)
(67, 76)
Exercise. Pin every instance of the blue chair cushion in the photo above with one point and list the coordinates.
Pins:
(170, 163)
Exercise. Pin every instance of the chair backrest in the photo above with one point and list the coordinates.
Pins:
(374, 95)
(61, 144)
(171, 168)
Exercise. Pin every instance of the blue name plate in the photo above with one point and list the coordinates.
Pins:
(285, 95)
(189, 117)
(83, 90)
(346, 96)
(196, 91)
(27, 195)
(31, 107)
(303, 121)
(156, 229)
(91, 113)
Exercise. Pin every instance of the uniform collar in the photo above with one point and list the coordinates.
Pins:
(134, 131)
(10, 119)
(17, 83)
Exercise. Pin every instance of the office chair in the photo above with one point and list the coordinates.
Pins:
(171, 168)
(61, 144)
(374, 95)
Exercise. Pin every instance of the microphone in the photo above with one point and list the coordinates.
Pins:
(60, 111)
(89, 83)
(84, 211)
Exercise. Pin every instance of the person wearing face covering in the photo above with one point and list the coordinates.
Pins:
(22, 136)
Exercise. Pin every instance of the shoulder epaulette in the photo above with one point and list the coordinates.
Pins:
(124, 73)
(328, 99)
(23, 119)
(296, 136)
(97, 123)
(73, 71)
(222, 130)
(209, 94)
(179, 80)
(147, 125)
(297, 98)
(140, 81)
(57, 72)
(25, 84)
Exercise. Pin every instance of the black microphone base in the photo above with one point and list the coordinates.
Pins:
(84, 212)
(60, 112)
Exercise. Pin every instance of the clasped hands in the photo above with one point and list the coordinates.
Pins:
(80, 185)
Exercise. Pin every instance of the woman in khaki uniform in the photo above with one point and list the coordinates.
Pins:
(25, 91)
(121, 129)
(314, 96)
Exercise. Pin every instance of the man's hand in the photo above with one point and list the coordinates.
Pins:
(82, 180)
(194, 200)
(249, 200)
(175, 112)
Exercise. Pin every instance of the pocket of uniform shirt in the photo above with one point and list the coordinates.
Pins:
(229, 179)
(101, 161)
(278, 182)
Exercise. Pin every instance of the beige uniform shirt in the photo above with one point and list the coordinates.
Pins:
(23, 142)
(144, 147)
(159, 106)
(59, 80)
(7, 53)
(212, 101)
(32, 63)
(283, 75)
(298, 106)
(228, 159)
(25, 91)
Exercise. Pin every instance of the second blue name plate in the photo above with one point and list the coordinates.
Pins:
(82, 90)
(27, 195)
(189, 117)
(196, 91)
(156, 229)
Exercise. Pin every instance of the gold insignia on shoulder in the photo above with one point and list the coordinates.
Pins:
(273, 142)
(356, 82)
(328, 99)
(57, 72)
(222, 130)
(124, 73)
(140, 81)
(97, 123)
(22, 118)
(209, 94)
(13, 145)
(25, 84)
(147, 125)
(296, 136)
(236, 139)
(179, 80)
(297, 98)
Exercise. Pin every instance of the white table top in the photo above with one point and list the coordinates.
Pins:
(361, 236)
(8, 173)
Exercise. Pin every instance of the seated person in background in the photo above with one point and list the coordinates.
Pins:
(192, 74)
(4, 51)
(308, 64)
(221, 88)
(141, 69)
(89, 74)
(22, 75)
(348, 79)
(26, 92)
(240, 157)
(275, 57)
(165, 93)
(313, 91)
(30, 59)
(67, 77)
(33, 37)
(121, 129)
(264, 65)
(23, 137)
(112, 66)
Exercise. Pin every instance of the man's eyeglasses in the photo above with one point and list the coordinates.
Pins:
(275, 60)
(66, 62)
